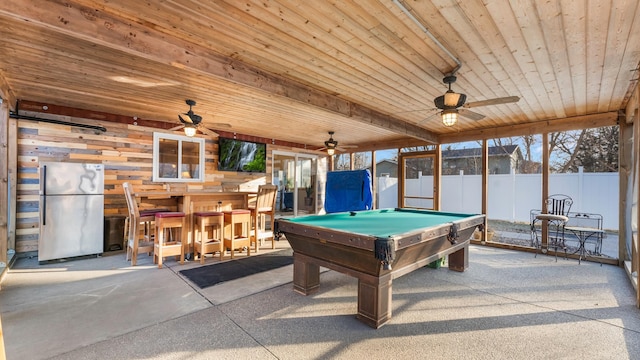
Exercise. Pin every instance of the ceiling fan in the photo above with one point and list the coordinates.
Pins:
(331, 145)
(451, 102)
(191, 122)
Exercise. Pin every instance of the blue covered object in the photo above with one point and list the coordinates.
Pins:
(348, 191)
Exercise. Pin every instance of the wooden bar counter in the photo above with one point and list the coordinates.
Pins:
(190, 202)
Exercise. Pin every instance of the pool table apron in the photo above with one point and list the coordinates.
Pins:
(353, 254)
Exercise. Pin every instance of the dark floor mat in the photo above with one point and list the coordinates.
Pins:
(209, 275)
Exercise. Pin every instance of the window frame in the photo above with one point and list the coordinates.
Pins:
(157, 137)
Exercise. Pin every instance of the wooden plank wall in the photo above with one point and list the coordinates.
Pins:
(127, 154)
(4, 185)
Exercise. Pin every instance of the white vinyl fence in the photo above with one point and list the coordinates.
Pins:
(513, 196)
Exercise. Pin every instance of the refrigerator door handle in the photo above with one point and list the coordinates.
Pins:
(43, 180)
(44, 194)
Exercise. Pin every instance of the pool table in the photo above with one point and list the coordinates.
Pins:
(375, 246)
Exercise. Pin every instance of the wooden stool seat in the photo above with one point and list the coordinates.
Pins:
(166, 221)
(208, 213)
(237, 226)
(202, 243)
(151, 212)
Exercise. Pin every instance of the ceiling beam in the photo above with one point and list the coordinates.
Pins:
(391, 144)
(135, 39)
(633, 105)
(534, 128)
(6, 94)
(573, 123)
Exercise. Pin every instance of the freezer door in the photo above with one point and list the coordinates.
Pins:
(71, 178)
(73, 227)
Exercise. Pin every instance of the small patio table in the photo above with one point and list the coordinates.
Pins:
(583, 234)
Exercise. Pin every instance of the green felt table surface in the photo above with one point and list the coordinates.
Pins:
(381, 222)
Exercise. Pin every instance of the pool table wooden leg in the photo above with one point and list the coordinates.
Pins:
(459, 260)
(306, 276)
(374, 300)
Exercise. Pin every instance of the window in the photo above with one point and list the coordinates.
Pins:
(177, 158)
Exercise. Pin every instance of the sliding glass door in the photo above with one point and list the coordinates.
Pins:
(296, 177)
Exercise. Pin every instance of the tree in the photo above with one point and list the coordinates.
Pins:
(561, 149)
(361, 160)
(342, 162)
(530, 166)
(595, 149)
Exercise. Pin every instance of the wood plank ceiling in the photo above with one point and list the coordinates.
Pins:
(295, 69)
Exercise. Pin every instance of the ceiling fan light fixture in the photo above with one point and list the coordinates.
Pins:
(191, 117)
(451, 98)
(190, 130)
(449, 117)
(331, 144)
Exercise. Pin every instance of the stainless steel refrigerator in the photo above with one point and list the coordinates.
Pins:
(71, 210)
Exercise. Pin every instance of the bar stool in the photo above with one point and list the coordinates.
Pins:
(235, 220)
(139, 234)
(147, 217)
(264, 206)
(202, 243)
(139, 239)
(167, 221)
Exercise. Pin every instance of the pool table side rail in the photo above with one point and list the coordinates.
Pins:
(360, 241)
(367, 242)
(428, 233)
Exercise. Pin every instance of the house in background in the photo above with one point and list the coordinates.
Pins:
(502, 160)
(387, 167)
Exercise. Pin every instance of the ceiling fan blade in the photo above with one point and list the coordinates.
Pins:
(195, 119)
(337, 150)
(346, 148)
(470, 114)
(207, 131)
(425, 120)
(176, 128)
(220, 125)
(496, 101)
(185, 121)
(416, 110)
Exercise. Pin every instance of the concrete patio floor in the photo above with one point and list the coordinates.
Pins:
(507, 305)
